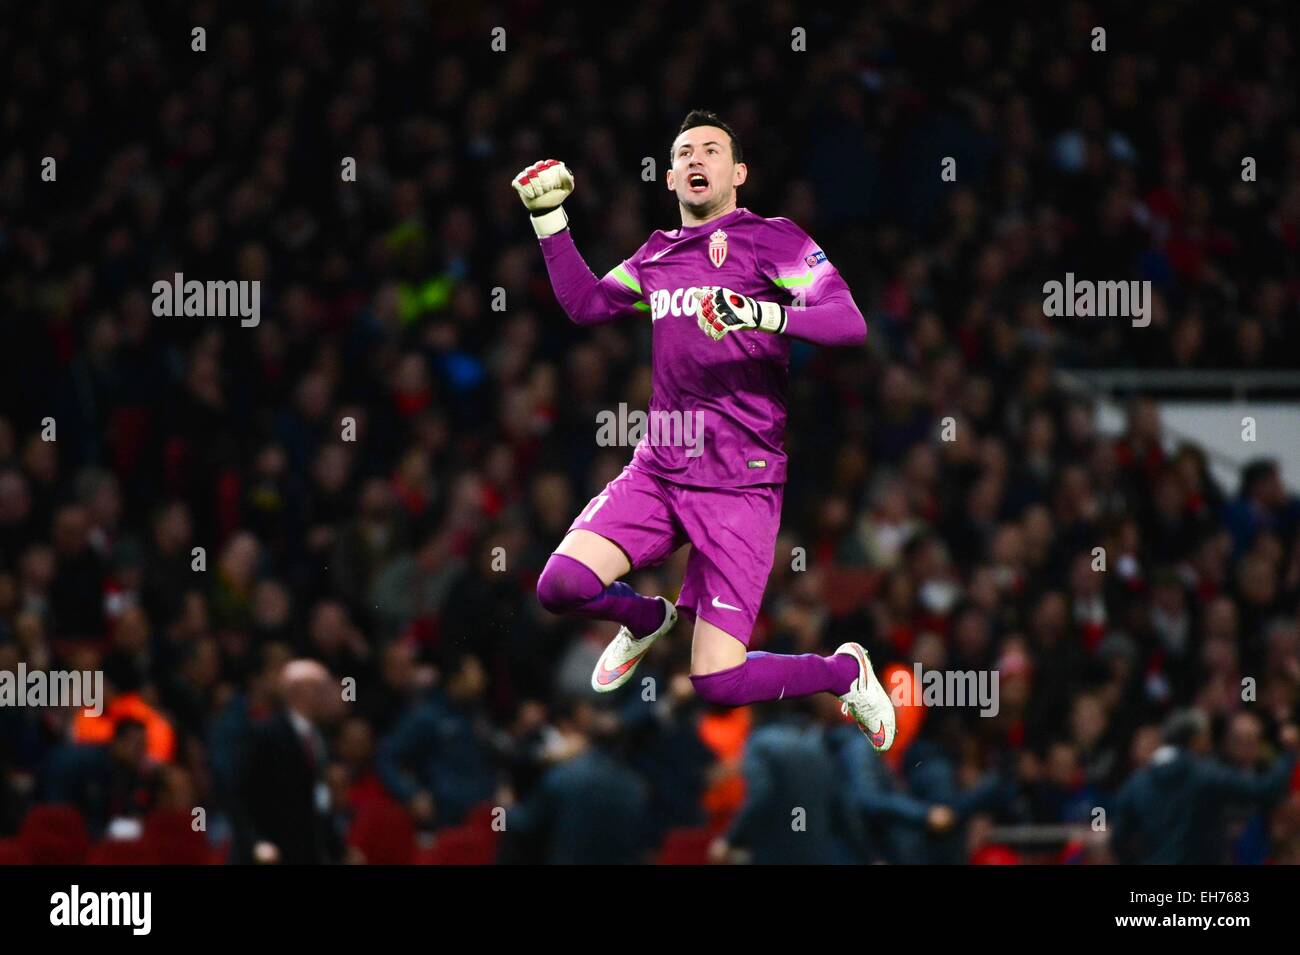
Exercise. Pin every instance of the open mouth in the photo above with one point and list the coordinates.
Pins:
(697, 182)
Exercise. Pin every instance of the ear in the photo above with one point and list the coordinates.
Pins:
(740, 175)
(672, 185)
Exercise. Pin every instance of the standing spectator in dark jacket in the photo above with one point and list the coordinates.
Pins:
(796, 808)
(107, 783)
(665, 744)
(439, 759)
(934, 776)
(1247, 823)
(283, 812)
(1171, 810)
(1262, 505)
(897, 825)
(588, 808)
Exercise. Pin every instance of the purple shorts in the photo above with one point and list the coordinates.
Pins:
(732, 533)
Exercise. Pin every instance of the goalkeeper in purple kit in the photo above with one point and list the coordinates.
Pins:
(724, 293)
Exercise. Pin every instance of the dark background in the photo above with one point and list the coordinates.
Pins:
(476, 428)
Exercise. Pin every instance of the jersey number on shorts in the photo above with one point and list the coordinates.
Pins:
(591, 511)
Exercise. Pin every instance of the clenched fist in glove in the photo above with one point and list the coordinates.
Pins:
(542, 187)
(722, 310)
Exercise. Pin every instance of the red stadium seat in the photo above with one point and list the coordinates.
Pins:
(995, 855)
(480, 817)
(55, 835)
(1074, 852)
(473, 842)
(461, 845)
(12, 852)
(172, 838)
(685, 846)
(384, 833)
(123, 852)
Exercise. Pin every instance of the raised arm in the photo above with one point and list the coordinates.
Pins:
(586, 299)
(542, 188)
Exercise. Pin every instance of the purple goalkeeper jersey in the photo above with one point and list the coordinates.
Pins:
(718, 408)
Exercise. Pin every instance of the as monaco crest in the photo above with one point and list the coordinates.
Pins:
(718, 248)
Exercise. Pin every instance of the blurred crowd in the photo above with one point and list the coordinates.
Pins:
(355, 667)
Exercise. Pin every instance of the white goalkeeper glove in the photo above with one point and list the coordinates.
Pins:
(542, 187)
(721, 310)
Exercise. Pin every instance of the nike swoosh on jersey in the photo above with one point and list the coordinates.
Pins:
(721, 606)
(659, 253)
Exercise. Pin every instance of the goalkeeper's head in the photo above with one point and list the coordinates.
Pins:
(706, 167)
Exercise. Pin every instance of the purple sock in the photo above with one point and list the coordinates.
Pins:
(775, 676)
(568, 586)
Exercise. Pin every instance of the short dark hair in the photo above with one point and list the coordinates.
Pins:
(1184, 726)
(704, 117)
(1255, 473)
